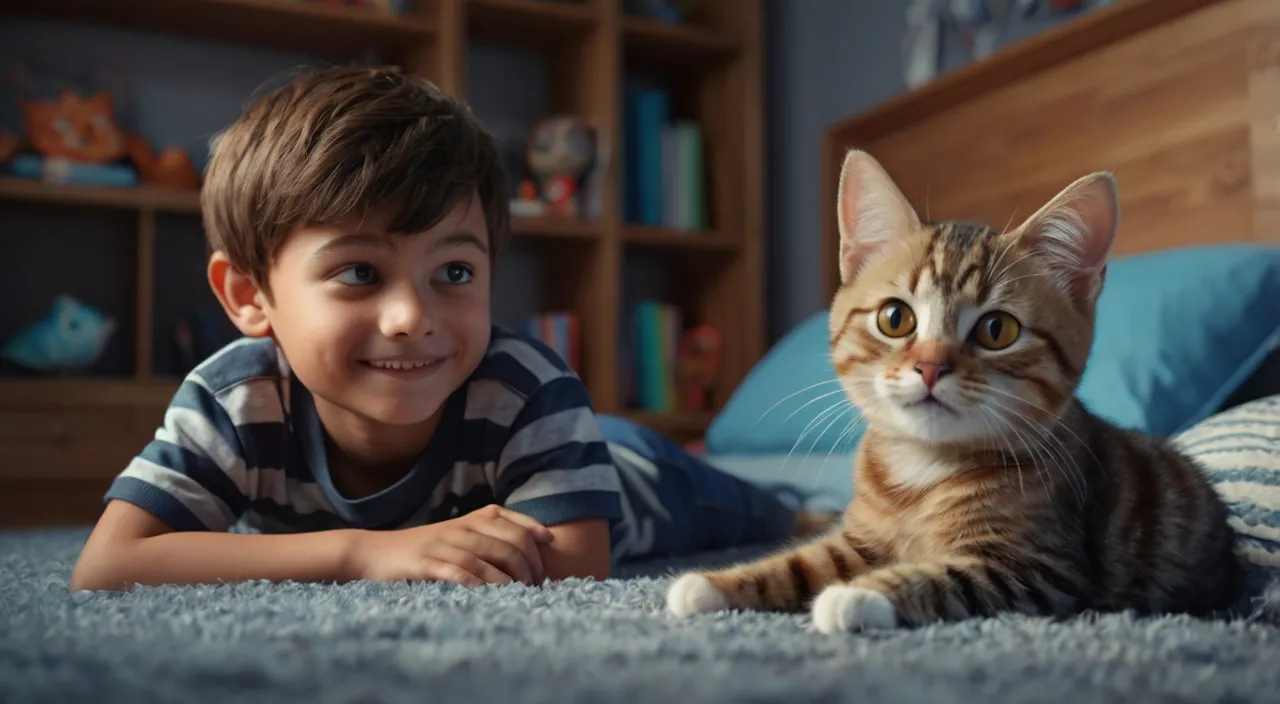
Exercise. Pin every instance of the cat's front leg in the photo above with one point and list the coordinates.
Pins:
(913, 594)
(781, 582)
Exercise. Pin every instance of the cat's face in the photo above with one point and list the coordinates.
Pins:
(955, 332)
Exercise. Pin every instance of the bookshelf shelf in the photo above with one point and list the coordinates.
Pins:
(528, 21)
(324, 30)
(138, 198)
(556, 227)
(672, 238)
(651, 43)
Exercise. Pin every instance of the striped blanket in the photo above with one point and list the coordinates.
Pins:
(1240, 448)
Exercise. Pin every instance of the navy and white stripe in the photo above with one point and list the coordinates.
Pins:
(241, 449)
(1240, 450)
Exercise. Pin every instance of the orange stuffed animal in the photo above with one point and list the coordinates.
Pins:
(85, 130)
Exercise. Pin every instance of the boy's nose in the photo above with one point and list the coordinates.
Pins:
(406, 315)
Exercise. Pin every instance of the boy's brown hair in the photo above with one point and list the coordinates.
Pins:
(336, 142)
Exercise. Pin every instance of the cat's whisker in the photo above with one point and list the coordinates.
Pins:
(1015, 279)
(812, 401)
(841, 406)
(1035, 464)
(983, 413)
(1012, 215)
(1021, 258)
(793, 394)
(1032, 425)
(847, 432)
(1053, 417)
(1038, 459)
(1071, 476)
(836, 417)
(1004, 250)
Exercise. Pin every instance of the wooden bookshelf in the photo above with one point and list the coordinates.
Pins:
(714, 66)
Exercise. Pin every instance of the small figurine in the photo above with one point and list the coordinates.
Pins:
(560, 152)
(697, 361)
(70, 337)
(526, 202)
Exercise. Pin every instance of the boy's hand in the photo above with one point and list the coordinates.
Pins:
(491, 545)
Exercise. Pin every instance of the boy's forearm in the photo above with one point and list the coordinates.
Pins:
(210, 558)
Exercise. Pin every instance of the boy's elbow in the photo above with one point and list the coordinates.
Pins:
(88, 576)
(79, 583)
(98, 569)
(580, 549)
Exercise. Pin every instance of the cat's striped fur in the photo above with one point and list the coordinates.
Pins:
(982, 485)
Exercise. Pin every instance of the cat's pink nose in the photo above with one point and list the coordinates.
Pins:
(932, 372)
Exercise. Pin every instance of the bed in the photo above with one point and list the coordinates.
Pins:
(1180, 97)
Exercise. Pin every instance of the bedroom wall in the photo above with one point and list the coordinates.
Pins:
(829, 59)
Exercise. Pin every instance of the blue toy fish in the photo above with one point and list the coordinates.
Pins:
(71, 336)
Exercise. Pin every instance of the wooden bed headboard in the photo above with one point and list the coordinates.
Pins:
(1180, 98)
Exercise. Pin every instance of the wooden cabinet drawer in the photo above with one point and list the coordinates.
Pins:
(73, 443)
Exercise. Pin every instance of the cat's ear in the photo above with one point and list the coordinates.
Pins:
(870, 210)
(1075, 231)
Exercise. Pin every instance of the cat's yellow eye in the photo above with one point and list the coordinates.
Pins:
(997, 330)
(896, 319)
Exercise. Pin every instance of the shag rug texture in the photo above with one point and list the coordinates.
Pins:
(578, 641)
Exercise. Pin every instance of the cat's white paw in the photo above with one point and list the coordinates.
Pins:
(694, 594)
(840, 609)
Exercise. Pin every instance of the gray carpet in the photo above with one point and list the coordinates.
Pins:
(573, 642)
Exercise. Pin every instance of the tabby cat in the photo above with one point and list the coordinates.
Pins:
(981, 484)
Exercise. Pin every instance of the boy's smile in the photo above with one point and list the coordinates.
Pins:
(406, 367)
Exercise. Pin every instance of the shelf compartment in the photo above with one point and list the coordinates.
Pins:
(528, 21)
(124, 198)
(277, 24)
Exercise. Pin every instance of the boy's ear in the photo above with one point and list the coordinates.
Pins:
(240, 296)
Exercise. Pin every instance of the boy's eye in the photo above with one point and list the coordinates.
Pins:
(457, 273)
(358, 275)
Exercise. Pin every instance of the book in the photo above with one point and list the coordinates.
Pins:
(558, 330)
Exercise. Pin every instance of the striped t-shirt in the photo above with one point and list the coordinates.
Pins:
(241, 449)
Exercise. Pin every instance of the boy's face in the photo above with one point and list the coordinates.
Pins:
(384, 326)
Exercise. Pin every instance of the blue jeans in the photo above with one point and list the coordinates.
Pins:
(676, 504)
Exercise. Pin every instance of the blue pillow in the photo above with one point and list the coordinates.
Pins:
(1177, 332)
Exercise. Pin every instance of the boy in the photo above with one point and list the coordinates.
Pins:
(373, 423)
